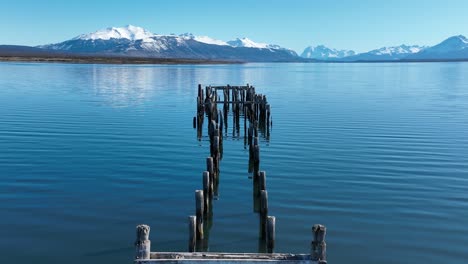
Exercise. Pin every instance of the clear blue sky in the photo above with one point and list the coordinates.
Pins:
(360, 24)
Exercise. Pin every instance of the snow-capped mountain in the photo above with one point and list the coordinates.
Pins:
(387, 53)
(136, 41)
(322, 52)
(455, 47)
(128, 32)
(247, 43)
(204, 39)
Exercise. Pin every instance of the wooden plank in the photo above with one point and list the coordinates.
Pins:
(226, 258)
(234, 102)
(226, 261)
(230, 87)
(219, 255)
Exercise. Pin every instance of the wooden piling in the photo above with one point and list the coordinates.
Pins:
(216, 156)
(262, 181)
(210, 168)
(256, 111)
(263, 213)
(142, 243)
(271, 234)
(206, 191)
(192, 241)
(199, 213)
(268, 110)
(319, 247)
(221, 121)
(256, 160)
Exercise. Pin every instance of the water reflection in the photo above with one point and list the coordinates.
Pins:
(123, 86)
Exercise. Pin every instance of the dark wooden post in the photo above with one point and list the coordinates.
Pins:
(206, 191)
(319, 247)
(263, 213)
(142, 243)
(271, 236)
(256, 160)
(221, 121)
(262, 181)
(192, 242)
(199, 213)
(211, 170)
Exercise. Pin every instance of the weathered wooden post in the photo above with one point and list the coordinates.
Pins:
(221, 121)
(192, 242)
(211, 129)
(216, 155)
(199, 213)
(319, 247)
(262, 181)
(210, 169)
(271, 236)
(263, 213)
(256, 160)
(206, 191)
(142, 243)
(268, 109)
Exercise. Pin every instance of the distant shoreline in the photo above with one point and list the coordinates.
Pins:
(110, 60)
(141, 60)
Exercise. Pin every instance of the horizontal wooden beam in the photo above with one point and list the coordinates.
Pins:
(222, 258)
(230, 87)
(233, 102)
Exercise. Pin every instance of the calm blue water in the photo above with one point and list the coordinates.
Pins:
(376, 152)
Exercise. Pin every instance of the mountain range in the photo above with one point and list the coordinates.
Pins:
(138, 42)
(453, 48)
(132, 41)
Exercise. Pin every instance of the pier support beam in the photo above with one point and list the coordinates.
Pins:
(271, 234)
(192, 241)
(142, 243)
(206, 191)
(262, 181)
(319, 247)
(199, 205)
(263, 213)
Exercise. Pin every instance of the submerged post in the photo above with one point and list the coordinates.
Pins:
(142, 243)
(319, 247)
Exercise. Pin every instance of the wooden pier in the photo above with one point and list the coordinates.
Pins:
(257, 120)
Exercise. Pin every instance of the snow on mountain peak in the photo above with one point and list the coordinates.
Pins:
(402, 49)
(128, 32)
(248, 43)
(208, 40)
(204, 39)
(323, 52)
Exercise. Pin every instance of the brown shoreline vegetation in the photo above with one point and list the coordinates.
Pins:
(110, 60)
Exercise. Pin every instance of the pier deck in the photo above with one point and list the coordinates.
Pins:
(225, 258)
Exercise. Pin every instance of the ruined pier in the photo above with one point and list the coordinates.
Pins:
(245, 106)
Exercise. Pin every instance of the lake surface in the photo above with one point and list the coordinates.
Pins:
(376, 152)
